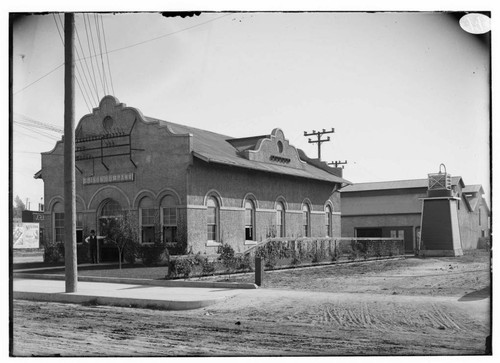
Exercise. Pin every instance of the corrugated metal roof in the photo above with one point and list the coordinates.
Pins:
(394, 184)
(216, 148)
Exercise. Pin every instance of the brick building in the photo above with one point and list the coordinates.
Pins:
(194, 188)
(394, 209)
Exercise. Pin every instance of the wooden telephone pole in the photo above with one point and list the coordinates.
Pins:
(319, 140)
(69, 156)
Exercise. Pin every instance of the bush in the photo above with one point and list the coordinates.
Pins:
(181, 267)
(152, 254)
(243, 263)
(53, 252)
(207, 267)
(227, 256)
(131, 251)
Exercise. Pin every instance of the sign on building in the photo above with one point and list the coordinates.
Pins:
(26, 235)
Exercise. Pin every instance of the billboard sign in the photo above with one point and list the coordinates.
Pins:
(26, 235)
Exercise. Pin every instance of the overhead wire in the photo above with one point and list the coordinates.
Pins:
(95, 53)
(84, 59)
(98, 31)
(123, 48)
(47, 125)
(107, 56)
(76, 67)
(90, 54)
(79, 78)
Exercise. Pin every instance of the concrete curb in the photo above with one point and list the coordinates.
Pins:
(113, 301)
(165, 283)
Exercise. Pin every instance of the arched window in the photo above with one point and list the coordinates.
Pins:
(148, 218)
(111, 209)
(280, 219)
(328, 221)
(212, 219)
(169, 218)
(58, 216)
(249, 221)
(306, 220)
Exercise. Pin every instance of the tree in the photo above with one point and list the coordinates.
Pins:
(19, 206)
(122, 231)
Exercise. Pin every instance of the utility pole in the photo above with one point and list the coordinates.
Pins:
(337, 163)
(69, 156)
(319, 140)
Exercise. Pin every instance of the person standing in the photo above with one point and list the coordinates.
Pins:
(92, 242)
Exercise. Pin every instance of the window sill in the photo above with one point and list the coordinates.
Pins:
(213, 244)
(250, 243)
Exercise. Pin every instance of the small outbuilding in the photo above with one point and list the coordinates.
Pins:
(394, 209)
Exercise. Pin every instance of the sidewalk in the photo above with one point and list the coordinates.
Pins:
(121, 294)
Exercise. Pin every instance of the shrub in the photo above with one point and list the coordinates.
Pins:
(207, 267)
(296, 258)
(131, 251)
(181, 267)
(243, 263)
(152, 254)
(227, 256)
(53, 252)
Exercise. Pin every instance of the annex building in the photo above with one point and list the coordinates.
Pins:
(192, 188)
(394, 209)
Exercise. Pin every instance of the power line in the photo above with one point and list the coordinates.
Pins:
(100, 49)
(90, 54)
(107, 56)
(87, 66)
(95, 53)
(167, 35)
(49, 126)
(122, 48)
(78, 72)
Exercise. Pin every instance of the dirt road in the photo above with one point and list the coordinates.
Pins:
(407, 307)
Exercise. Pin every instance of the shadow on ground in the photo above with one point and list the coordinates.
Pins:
(484, 293)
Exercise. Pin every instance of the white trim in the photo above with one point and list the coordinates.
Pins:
(318, 212)
(213, 244)
(295, 211)
(337, 213)
(250, 243)
(233, 209)
(194, 206)
(265, 210)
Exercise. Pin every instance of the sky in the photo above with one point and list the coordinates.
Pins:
(404, 91)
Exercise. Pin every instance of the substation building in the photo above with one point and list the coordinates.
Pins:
(193, 188)
(395, 208)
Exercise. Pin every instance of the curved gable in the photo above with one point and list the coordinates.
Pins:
(275, 149)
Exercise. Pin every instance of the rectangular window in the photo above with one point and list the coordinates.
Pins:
(211, 224)
(170, 224)
(249, 225)
(148, 225)
(394, 234)
(59, 227)
(280, 227)
(305, 222)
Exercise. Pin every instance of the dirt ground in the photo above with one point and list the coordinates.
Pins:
(432, 306)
